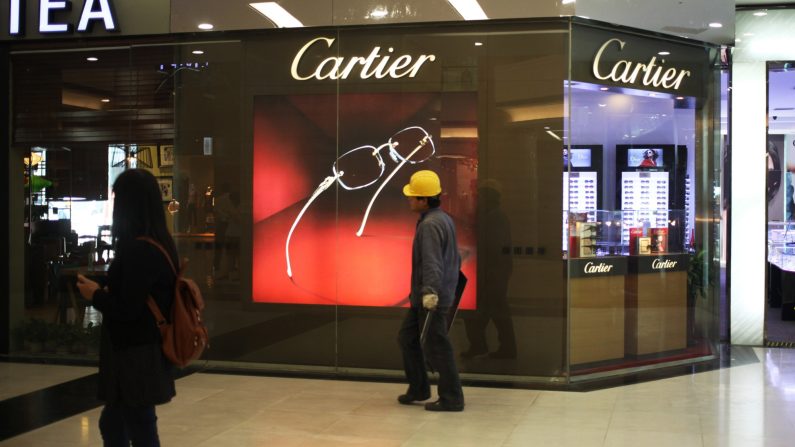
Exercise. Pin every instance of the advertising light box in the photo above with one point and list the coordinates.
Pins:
(330, 223)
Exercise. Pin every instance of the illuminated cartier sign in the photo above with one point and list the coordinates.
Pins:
(590, 267)
(93, 10)
(628, 72)
(663, 264)
(375, 64)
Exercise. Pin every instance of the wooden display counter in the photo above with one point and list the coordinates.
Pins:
(596, 288)
(656, 304)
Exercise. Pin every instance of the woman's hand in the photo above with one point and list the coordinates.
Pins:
(86, 287)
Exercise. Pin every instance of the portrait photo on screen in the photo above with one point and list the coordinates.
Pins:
(331, 225)
(645, 158)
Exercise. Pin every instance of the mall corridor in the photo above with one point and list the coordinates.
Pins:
(750, 402)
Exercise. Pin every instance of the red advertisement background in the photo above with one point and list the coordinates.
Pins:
(295, 141)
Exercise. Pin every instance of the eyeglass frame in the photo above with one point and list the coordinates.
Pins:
(336, 178)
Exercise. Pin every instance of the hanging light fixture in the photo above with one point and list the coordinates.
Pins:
(132, 156)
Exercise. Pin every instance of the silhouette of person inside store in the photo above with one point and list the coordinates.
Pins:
(227, 230)
(493, 294)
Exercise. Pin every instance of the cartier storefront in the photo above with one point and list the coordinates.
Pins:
(577, 161)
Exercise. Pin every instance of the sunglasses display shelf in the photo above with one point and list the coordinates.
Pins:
(781, 269)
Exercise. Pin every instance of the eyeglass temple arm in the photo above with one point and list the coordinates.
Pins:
(324, 185)
(423, 142)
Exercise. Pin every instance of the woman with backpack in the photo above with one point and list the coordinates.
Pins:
(134, 376)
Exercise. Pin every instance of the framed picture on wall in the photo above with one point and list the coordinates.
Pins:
(166, 187)
(165, 156)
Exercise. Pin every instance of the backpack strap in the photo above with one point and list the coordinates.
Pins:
(160, 320)
(162, 250)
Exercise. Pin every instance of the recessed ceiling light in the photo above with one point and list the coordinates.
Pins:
(197, 52)
(760, 13)
(738, 40)
(602, 105)
(206, 26)
(105, 100)
(664, 53)
(92, 59)
(680, 97)
(604, 89)
(277, 14)
(469, 9)
(716, 25)
(478, 44)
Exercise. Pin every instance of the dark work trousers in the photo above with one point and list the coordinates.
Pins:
(121, 424)
(439, 352)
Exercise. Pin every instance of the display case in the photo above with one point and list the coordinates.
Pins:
(781, 245)
(781, 268)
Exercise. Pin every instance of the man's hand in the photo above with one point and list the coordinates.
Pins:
(429, 301)
(86, 287)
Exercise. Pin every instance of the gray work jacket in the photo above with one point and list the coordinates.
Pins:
(435, 261)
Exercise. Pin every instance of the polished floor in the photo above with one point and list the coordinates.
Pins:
(747, 405)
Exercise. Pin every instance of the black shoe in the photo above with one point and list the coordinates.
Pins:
(408, 398)
(439, 406)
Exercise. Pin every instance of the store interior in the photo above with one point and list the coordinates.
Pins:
(780, 308)
(629, 161)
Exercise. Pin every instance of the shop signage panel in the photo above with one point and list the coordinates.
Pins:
(595, 267)
(628, 60)
(660, 263)
(39, 19)
(653, 73)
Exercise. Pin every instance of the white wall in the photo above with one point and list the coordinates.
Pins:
(748, 220)
(760, 39)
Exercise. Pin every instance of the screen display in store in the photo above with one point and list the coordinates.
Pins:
(331, 225)
(577, 158)
(645, 158)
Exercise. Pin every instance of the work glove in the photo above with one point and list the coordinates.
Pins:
(429, 301)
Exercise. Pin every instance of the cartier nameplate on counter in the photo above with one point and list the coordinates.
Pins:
(593, 267)
(659, 263)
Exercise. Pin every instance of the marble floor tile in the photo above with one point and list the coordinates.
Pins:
(744, 406)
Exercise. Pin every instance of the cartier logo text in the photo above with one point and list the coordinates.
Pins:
(598, 268)
(376, 64)
(663, 264)
(652, 73)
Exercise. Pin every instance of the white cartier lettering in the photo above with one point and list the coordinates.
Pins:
(590, 267)
(628, 72)
(662, 264)
(374, 65)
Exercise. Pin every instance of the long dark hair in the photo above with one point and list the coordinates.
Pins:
(138, 211)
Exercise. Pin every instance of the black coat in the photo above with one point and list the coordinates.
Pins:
(132, 369)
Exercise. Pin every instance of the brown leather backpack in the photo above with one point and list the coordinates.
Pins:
(184, 335)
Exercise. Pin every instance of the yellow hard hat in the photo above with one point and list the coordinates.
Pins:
(423, 184)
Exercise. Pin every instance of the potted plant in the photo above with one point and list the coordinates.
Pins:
(35, 334)
(93, 334)
(63, 335)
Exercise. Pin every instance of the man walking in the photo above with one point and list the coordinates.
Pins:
(435, 263)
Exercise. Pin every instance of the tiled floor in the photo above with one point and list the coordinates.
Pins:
(749, 405)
